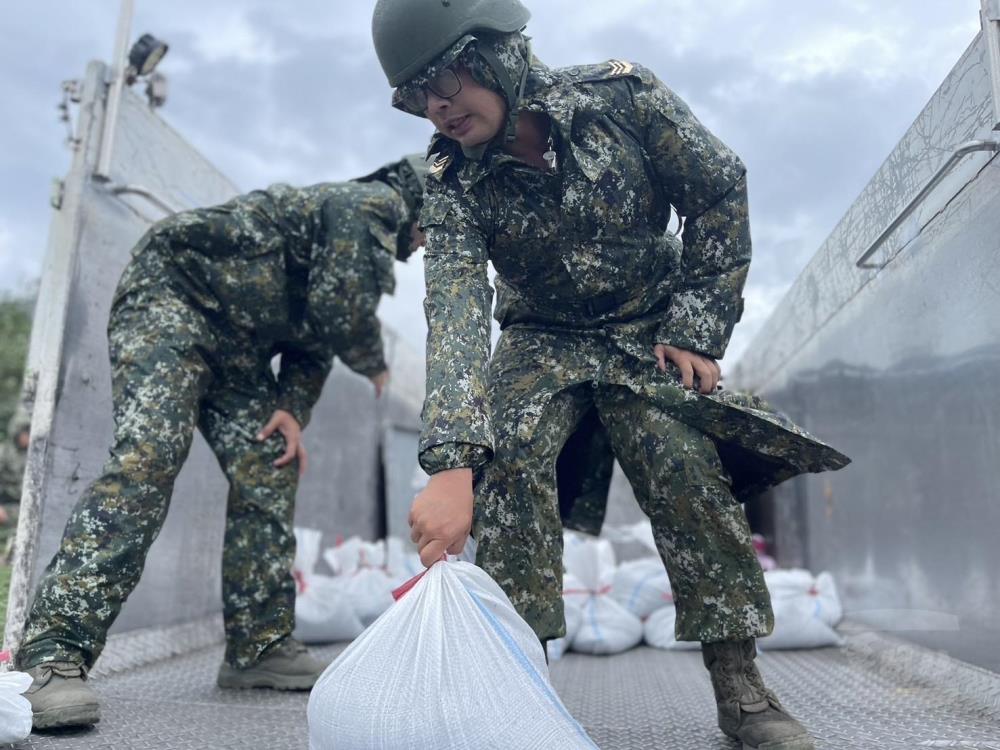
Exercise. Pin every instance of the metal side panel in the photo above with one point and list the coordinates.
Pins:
(960, 110)
(639, 700)
(902, 373)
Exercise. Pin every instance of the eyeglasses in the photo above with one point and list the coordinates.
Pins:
(413, 98)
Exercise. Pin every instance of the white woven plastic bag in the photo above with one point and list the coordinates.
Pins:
(606, 626)
(558, 647)
(450, 665)
(323, 611)
(642, 586)
(361, 571)
(806, 609)
(658, 630)
(15, 711)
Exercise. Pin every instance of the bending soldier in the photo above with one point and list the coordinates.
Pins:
(208, 299)
(565, 180)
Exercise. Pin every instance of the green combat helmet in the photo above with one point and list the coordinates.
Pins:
(409, 34)
(415, 38)
(407, 177)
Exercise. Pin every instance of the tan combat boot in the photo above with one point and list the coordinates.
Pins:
(748, 711)
(60, 696)
(287, 666)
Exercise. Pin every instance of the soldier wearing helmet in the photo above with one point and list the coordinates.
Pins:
(610, 330)
(208, 300)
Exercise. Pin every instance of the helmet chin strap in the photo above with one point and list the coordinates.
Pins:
(512, 93)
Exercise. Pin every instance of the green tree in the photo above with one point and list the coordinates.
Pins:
(15, 328)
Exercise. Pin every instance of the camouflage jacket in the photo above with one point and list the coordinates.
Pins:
(585, 246)
(299, 271)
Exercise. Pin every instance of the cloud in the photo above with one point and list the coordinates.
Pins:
(812, 98)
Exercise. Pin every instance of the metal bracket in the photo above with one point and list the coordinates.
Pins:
(956, 156)
(159, 201)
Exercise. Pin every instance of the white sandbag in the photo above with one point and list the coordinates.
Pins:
(640, 533)
(805, 610)
(642, 586)
(797, 624)
(362, 575)
(450, 665)
(324, 613)
(557, 648)
(607, 627)
(796, 582)
(15, 710)
(658, 631)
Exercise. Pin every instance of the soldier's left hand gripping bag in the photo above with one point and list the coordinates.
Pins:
(450, 664)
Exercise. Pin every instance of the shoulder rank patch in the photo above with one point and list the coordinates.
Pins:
(439, 166)
(619, 68)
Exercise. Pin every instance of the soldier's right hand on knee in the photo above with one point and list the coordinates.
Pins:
(288, 426)
(441, 515)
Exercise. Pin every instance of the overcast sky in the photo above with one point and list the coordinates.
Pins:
(812, 95)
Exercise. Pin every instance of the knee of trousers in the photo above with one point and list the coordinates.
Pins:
(148, 462)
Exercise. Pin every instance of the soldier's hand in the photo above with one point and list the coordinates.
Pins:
(380, 381)
(441, 515)
(283, 422)
(690, 364)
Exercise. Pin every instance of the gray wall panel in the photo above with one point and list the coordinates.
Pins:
(900, 369)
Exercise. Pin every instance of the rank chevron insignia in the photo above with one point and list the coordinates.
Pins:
(620, 67)
(439, 166)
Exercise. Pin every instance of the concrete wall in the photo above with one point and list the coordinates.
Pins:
(899, 367)
(69, 382)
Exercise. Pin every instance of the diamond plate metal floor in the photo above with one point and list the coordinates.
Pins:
(639, 700)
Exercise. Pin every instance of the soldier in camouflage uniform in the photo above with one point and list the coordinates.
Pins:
(13, 456)
(565, 180)
(207, 301)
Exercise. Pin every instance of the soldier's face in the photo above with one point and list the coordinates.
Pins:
(472, 116)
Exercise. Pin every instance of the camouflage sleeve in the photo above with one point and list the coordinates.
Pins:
(300, 381)
(457, 431)
(281, 214)
(706, 183)
(349, 272)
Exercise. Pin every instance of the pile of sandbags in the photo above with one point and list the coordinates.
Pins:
(604, 602)
(338, 607)
(606, 626)
(324, 612)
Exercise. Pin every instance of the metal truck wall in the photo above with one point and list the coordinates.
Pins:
(899, 367)
(69, 381)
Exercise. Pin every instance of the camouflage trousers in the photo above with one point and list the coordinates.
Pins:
(174, 370)
(700, 529)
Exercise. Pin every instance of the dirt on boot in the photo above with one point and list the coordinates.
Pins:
(748, 711)
(287, 666)
(60, 696)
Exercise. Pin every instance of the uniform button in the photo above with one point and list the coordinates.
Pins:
(574, 72)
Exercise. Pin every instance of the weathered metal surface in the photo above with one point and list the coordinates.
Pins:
(68, 372)
(635, 701)
(898, 369)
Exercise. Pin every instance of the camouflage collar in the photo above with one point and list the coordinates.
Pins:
(554, 92)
